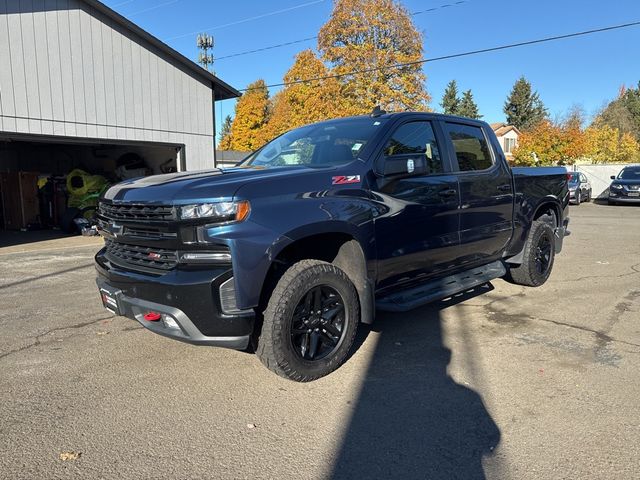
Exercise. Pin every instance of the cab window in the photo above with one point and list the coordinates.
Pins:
(471, 147)
(416, 138)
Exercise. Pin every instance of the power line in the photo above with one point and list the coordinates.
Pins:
(248, 19)
(170, 2)
(302, 40)
(457, 55)
(293, 42)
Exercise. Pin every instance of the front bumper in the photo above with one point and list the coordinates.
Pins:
(623, 198)
(188, 299)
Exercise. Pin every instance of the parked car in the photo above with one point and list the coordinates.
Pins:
(625, 188)
(579, 188)
(288, 252)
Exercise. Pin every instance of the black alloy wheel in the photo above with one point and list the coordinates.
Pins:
(318, 323)
(310, 321)
(543, 254)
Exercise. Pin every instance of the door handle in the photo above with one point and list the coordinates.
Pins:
(505, 188)
(449, 192)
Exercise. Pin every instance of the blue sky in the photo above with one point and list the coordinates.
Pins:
(587, 71)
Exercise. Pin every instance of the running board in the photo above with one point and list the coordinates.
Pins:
(440, 288)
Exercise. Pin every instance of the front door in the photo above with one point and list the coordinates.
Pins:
(417, 230)
(486, 194)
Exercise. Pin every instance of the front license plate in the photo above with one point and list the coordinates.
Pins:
(634, 194)
(109, 301)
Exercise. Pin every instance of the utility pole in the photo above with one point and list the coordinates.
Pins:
(205, 44)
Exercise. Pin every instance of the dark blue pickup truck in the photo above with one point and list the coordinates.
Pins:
(288, 252)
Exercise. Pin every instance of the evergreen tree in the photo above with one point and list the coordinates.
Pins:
(523, 107)
(224, 136)
(468, 107)
(450, 100)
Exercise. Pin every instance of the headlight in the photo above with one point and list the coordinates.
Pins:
(616, 186)
(217, 212)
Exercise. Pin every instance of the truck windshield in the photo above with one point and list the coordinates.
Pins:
(320, 145)
(630, 173)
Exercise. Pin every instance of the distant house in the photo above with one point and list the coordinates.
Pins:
(507, 136)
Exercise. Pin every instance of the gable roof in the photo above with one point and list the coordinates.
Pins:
(221, 90)
(502, 128)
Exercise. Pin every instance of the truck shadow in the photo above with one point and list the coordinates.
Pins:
(411, 420)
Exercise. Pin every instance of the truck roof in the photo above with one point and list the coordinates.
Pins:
(396, 115)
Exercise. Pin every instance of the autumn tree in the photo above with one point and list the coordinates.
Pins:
(450, 100)
(607, 145)
(523, 107)
(623, 113)
(548, 143)
(302, 102)
(224, 136)
(251, 115)
(468, 107)
(374, 36)
(541, 145)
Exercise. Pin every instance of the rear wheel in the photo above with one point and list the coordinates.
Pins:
(588, 196)
(539, 254)
(310, 322)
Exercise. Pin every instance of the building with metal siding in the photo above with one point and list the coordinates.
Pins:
(75, 71)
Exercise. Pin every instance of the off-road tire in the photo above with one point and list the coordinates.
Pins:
(526, 273)
(275, 349)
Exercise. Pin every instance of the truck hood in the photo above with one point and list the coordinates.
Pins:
(197, 186)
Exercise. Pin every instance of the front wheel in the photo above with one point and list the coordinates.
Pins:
(310, 322)
(539, 254)
(578, 197)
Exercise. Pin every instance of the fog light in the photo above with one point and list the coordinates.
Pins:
(170, 322)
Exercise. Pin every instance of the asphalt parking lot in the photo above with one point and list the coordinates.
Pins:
(503, 382)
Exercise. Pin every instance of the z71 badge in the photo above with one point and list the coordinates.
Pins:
(345, 179)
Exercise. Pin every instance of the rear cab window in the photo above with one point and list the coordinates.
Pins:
(470, 145)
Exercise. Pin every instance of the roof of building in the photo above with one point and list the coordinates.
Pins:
(221, 90)
(503, 128)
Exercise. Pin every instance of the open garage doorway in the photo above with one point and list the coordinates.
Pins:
(43, 178)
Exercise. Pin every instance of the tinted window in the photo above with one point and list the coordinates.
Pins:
(416, 138)
(472, 150)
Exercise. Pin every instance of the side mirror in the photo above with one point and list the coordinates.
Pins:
(394, 166)
(613, 177)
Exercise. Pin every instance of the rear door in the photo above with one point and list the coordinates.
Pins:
(486, 193)
(417, 229)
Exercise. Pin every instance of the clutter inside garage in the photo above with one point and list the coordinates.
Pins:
(56, 186)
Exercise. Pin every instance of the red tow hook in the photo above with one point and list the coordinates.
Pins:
(152, 316)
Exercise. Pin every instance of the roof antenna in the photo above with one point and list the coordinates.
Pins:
(377, 111)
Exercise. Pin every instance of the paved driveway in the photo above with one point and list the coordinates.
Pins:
(505, 382)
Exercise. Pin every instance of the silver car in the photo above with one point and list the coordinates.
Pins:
(579, 188)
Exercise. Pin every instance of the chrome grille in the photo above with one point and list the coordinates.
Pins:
(136, 256)
(136, 212)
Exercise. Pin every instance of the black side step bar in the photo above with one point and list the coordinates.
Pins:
(441, 288)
